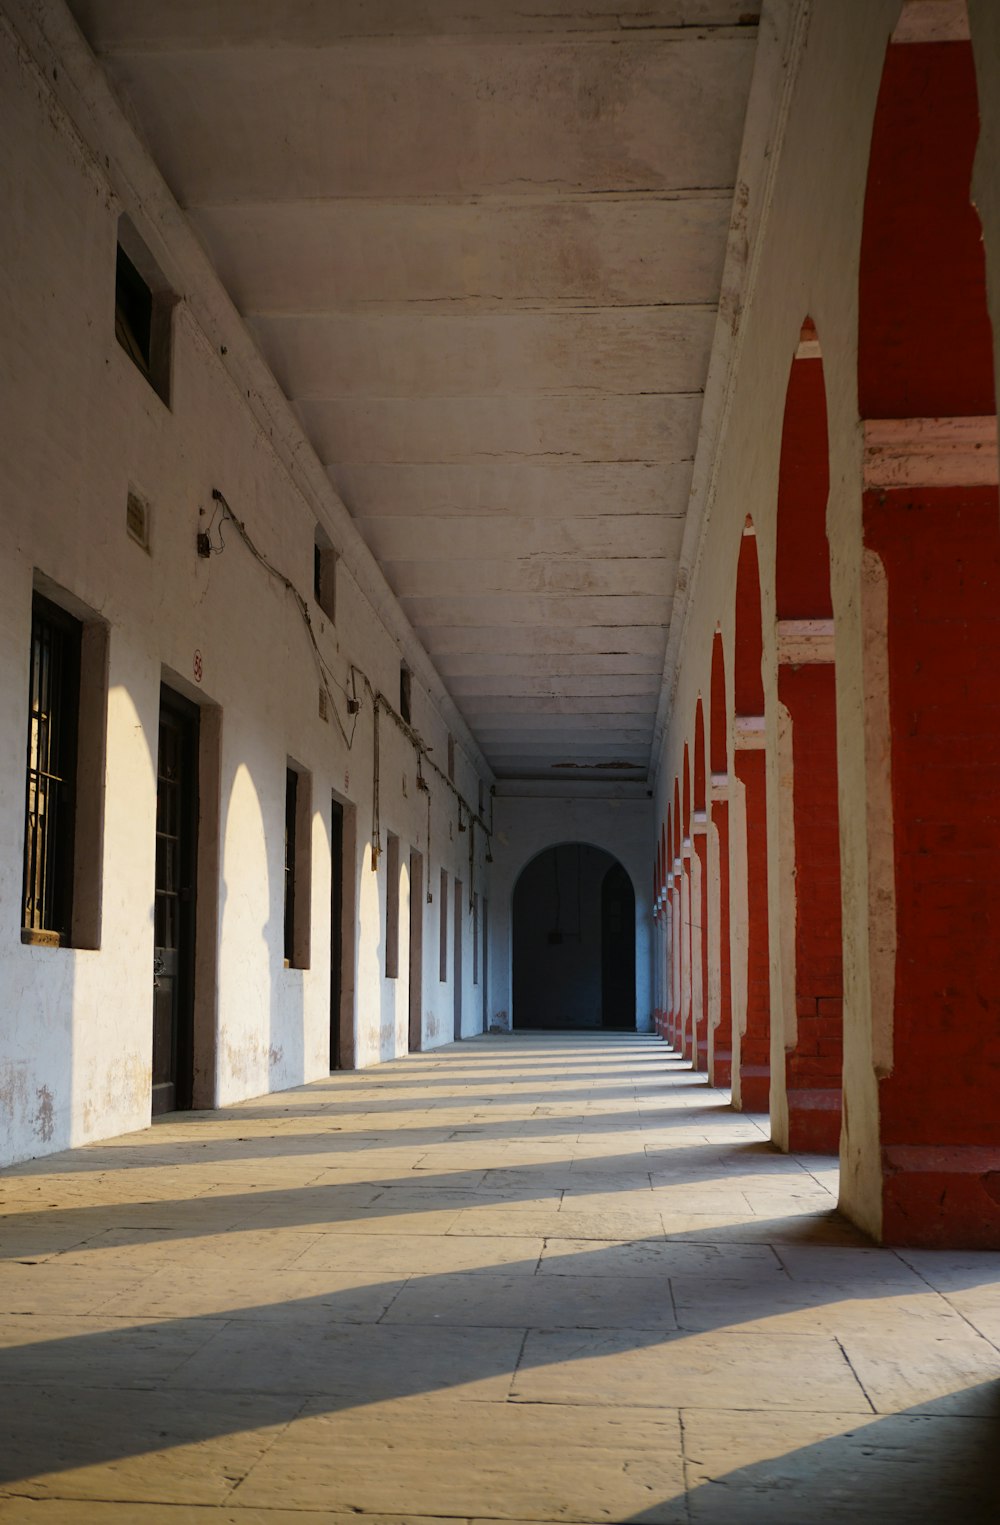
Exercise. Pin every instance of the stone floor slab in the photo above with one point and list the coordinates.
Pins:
(354, 1363)
(449, 1461)
(835, 1469)
(697, 1370)
(447, 1289)
(101, 1443)
(547, 1302)
(421, 1254)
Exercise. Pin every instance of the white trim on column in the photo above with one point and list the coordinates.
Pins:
(933, 21)
(748, 733)
(931, 452)
(804, 641)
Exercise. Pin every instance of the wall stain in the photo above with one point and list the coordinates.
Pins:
(44, 1117)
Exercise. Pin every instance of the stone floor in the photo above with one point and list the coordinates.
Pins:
(522, 1279)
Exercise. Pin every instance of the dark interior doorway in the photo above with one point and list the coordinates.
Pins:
(336, 930)
(574, 941)
(174, 905)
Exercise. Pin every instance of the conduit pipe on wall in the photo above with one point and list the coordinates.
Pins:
(379, 701)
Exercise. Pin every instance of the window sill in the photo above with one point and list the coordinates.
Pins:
(36, 938)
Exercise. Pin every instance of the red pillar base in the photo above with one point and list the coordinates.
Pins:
(814, 1121)
(755, 1088)
(701, 1058)
(941, 1198)
(721, 1072)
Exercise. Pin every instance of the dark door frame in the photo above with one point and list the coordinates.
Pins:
(177, 878)
(336, 929)
(416, 960)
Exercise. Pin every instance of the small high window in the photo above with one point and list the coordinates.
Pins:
(325, 574)
(144, 307)
(404, 693)
(451, 758)
(298, 878)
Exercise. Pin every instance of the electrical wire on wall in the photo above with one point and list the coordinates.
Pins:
(380, 704)
(326, 674)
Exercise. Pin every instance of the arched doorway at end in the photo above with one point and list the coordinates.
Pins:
(574, 941)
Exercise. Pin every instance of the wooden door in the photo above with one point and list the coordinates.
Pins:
(174, 903)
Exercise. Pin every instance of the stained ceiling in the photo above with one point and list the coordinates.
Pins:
(480, 244)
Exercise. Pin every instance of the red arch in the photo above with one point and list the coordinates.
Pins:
(687, 792)
(802, 564)
(747, 676)
(924, 341)
(699, 756)
(813, 1063)
(718, 740)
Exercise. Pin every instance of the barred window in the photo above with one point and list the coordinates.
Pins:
(298, 865)
(50, 808)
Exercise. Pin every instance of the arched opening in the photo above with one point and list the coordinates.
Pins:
(720, 999)
(806, 1087)
(922, 1146)
(752, 987)
(676, 923)
(687, 918)
(660, 948)
(574, 941)
(699, 893)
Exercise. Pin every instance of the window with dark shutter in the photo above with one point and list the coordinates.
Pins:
(50, 808)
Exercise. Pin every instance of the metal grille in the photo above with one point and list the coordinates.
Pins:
(51, 772)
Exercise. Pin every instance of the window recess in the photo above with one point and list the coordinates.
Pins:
(64, 778)
(144, 307)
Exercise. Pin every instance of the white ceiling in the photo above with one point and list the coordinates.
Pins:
(480, 243)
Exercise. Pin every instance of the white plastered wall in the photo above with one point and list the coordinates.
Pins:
(82, 426)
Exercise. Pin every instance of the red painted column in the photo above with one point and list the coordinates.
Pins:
(699, 944)
(675, 959)
(813, 1069)
(668, 945)
(755, 1041)
(940, 1104)
(925, 383)
(720, 1052)
(686, 1041)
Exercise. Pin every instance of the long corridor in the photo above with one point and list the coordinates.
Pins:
(545, 1278)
